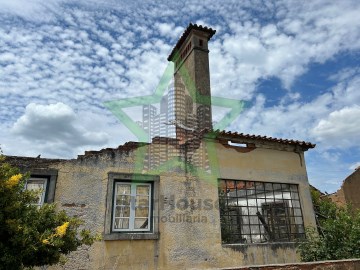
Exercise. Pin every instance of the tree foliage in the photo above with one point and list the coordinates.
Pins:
(338, 233)
(32, 236)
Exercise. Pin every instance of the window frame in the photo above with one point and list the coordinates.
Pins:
(51, 178)
(133, 185)
(153, 232)
(43, 193)
(250, 192)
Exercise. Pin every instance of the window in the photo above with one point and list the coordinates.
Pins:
(39, 185)
(44, 181)
(132, 210)
(132, 205)
(258, 212)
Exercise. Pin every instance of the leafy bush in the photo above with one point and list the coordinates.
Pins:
(32, 236)
(338, 234)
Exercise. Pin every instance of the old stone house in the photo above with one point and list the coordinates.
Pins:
(205, 199)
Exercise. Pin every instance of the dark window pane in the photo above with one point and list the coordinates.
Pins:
(256, 212)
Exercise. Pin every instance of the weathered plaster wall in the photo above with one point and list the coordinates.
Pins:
(349, 191)
(268, 165)
(81, 190)
(338, 197)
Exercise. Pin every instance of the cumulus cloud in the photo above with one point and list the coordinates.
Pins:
(86, 52)
(305, 34)
(169, 30)
(298, 119)
(341, 128)
(55, 123)
(31, 10)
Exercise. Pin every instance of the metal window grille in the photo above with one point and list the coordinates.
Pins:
(258, 212)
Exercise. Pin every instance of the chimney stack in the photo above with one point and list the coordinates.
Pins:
(192, 80)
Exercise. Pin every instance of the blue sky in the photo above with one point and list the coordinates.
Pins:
(295, 62)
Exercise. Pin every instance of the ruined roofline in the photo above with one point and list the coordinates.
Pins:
(235, 135)
(126, 147)
(186, 33)
(129, 146)
(34, 158)
(31, 162)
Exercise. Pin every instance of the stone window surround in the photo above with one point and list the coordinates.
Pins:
(51, 176)
(114, 177)
(38, 181)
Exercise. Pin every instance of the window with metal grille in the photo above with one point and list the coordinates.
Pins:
(258, 212)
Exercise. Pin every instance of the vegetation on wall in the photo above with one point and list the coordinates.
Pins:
(338, 234)
(31, 235)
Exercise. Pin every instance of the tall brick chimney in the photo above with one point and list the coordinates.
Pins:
(192, 80)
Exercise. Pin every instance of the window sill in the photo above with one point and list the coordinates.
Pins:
(130, 236)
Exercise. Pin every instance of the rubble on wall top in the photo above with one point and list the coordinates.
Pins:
(187, 31)
(31, 162)
(126, 147)
(129, 146)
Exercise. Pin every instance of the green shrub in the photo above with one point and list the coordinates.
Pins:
(32, 236)
(338, 234)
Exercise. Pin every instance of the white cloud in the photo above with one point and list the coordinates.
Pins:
(311, 32)
(169, 30)
(58, 124)
(89, 52)
(36, 10)
(341, 128)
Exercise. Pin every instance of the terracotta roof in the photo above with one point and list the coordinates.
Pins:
(205, 133)
(186, 33)
(223, 133)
